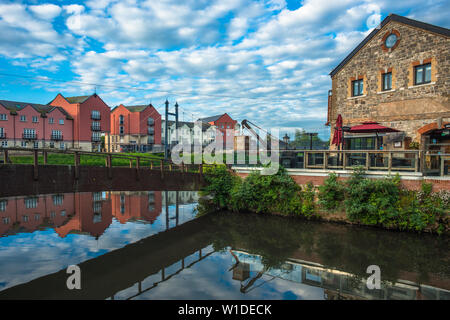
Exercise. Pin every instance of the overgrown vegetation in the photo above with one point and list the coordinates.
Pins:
(375, 202)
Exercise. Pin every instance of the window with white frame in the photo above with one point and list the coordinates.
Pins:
(29, 133)
(23, 118)
(34, 119)
(3, 204)
(51, 120)
(31, 203)
(3, 116)
(62, 145)
(61, 121)
(5, 143)
(36, 144)
(23, 143)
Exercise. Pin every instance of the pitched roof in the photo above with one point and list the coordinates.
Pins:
(397, 18)
(191, 125)
(138, 108)
(77, 99)
(14, 106)
(210, 119)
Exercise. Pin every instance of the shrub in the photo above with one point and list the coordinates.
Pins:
(276, 193)
(220, 182)
(372, 201)
(331, 193)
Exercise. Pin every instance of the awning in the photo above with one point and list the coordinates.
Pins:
(371, 126)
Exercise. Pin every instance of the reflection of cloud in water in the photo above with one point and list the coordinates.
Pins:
(210, 279)
(27, 256)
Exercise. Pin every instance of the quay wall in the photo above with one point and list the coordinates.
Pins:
(24, 180)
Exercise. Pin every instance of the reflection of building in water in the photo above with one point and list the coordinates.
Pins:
(85, 213)
(136, 205)
(88, 213)
(184, 197)
(93, 215)
(336, 284)
(26, 214)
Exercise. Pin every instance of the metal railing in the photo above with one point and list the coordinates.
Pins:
(56, 137)
(382, 160)
(29, 136)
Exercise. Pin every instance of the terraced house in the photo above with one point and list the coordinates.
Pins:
(399, 77)
(32, 125)
(135, 129)
(91, 119)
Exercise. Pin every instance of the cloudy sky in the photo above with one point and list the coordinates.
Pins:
(267, 61)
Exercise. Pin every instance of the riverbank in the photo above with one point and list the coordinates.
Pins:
(382, 203)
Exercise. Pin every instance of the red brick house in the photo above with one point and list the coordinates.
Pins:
(91, 119)
(24, 124)
(135, 128)
(225, 125)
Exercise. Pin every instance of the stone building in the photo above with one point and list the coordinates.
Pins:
(398, 76)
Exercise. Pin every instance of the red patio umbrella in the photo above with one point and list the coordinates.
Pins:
(337, 136)
(371, 127)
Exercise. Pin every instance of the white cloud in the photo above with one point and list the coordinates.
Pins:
(46, 11)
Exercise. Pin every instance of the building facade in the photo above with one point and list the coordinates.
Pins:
(91, 120)
(189, 132)
(398, 76)
(31, 125)
(135, 129)
(225, 126)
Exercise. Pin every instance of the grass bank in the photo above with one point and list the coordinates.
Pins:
(359, 200)
(86, 160)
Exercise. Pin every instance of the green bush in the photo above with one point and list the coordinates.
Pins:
(371, 201)
(220, 182)
(267, 194)
(331, 193)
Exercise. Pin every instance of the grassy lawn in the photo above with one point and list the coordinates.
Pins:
(88, 160)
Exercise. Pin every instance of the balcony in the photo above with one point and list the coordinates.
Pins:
(29, 136)
(95, 116)
(150, 121)
(56, 137)
(151, 130)
(96, 128)
(2, 135)
(96, 139)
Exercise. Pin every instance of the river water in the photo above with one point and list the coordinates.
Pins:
(154, 245)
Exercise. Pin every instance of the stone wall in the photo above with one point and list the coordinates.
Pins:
(406, 107)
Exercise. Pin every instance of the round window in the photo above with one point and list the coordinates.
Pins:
(391, 40)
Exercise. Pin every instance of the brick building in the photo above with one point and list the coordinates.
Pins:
(24, 124)
(225, 125)
(91, 119)
(398, 76)
(135, 128)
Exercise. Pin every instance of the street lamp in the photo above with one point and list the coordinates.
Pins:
(286, 141)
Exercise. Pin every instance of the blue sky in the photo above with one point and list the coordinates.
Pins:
(267, 61)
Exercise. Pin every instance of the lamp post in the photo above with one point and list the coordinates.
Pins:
(286, 141)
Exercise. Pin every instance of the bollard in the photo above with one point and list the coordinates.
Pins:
(45, 156)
